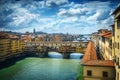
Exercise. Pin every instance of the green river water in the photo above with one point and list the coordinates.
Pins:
(32, 68)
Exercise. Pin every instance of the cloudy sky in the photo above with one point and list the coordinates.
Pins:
(56, 16)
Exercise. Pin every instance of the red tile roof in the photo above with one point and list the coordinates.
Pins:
(90, 53)
(107, 34)
(90, 57)
(107, 63)
(7, 35)
(12, 36)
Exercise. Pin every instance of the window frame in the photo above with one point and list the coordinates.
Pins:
(118, 24)
(118, 45)
(105, 74)
(117, 60)
(89, 72)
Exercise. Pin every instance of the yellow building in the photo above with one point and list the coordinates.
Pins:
(14, 46)
(10, 45)
(22, 46)
(17, 46)
(79, 49)
(94, 69)
(105, 44)
(4, 48)
(113, 40)
(116, 39)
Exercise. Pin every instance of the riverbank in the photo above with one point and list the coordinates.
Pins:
(12, 60)
(80, 76)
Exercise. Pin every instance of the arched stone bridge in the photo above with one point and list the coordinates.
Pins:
(42, 48)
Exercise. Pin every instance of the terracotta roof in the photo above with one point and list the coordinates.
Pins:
(90, 57)
(104, 33)
(107, 34)
(90, 53)
(12, 36)
(3, 35)
(7, 35)
(106, 63)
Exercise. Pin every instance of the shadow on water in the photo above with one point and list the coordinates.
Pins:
(11, 61)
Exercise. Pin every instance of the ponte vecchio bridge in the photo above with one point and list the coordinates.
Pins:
(56, 44)
(59, 46)
(65, 48)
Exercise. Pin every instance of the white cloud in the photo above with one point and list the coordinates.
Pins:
(21, 16)
(68, 20)
(41, 4)
(70, 12)
(62, 12)
(50, 3)
(97, 5)
(92, 14)
(93, 17)
(71, 17)
(73, 11)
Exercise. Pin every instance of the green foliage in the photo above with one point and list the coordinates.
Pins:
(80, 76)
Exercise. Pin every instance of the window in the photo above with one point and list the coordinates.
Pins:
(118, 36)
(117, 76)
(118, 45)
(89, 73)
(103, 39)
(110, 43)
(113, 46)
(117, 61)
(105, 74)
(115, 58)
(118, 24)
(113, 31)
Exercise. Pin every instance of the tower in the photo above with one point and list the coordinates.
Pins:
(34, 31)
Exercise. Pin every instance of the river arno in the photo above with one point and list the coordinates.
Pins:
(33, 68)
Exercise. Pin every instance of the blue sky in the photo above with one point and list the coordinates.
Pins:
(57, 16)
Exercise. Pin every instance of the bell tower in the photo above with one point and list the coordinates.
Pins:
(34, 31)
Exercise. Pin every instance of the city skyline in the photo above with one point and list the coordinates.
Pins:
(56, 16)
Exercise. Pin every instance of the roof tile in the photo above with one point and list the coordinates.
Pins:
(90, 57)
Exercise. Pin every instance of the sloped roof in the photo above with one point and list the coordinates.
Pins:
(90, 53)
(107, 34)
(116, 10)
(107, 63)
(7, 35)
(90, 57)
